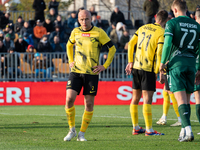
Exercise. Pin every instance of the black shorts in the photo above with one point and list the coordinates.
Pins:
(144, 80)
(88, 82)
(166, 83)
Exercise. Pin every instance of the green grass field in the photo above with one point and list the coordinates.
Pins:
(44, 127)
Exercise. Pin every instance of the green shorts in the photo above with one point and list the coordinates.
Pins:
(182, 79)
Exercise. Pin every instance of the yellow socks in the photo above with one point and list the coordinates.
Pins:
(87, 117)
(147, 113)
(71, 116)
(175, 105)
(134, 114)
(166, 102)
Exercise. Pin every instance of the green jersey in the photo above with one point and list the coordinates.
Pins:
(185, 34)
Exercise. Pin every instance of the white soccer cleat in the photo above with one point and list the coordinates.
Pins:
(198, 133)
(70, 135)
(161, 121)
(187, 138)
(81, 137)
(176, 124)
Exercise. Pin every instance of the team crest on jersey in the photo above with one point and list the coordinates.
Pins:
(93, 39)
(85, 34)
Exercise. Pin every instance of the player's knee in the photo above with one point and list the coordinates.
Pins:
(89, 106)
(69, 100)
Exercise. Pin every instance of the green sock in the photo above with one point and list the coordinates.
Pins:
(184, 114)
(189, 109)
(198, 111)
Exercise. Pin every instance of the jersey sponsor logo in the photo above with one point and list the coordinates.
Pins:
(85, 34)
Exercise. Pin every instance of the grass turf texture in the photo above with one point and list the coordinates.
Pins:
(44, 127)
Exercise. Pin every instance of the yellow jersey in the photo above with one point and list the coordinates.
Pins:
(87, 50)
(148, 40)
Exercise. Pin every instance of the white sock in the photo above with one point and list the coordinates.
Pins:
(164, 117)
(150, 130)
(136, 127)
(182, 133)
(81, 133)
(179, 119)
(188, 130)
(73, 129)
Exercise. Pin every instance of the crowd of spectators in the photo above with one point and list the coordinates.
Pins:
(50, 33)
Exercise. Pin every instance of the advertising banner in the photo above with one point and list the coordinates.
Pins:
(54, 93)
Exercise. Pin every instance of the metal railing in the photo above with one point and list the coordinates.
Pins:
(54, 67)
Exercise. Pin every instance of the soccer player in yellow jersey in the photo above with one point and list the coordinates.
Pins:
(84, 70)
(149, 40)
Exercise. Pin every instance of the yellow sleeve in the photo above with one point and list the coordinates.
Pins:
(159, 53)
(111, 55)
(69, 46)
(131, 45)
(104, 39)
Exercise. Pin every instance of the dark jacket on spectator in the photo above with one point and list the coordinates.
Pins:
(117, 17)
(63, 37)
(123, 41)
(39, 6)
(8, 44)
(3, 49)
(57, 47)
(28, 30)
(21, 47)
(44, 47)
(54, 5)
(18, 26)
(70, 22)
(49, 27)
(3, 22)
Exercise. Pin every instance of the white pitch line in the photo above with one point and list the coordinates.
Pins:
(123, 117)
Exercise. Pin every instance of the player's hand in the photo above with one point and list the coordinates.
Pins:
(129, 68)
(197, 78)
(162, 78)
(98, 69)
(163, 67)
(71, 64)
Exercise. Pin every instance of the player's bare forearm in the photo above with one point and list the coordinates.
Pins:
(162, 78)
(98, 69)
(129, 68)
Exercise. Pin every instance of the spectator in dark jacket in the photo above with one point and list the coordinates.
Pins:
(2, 48)
(8, 42)
(151, 8)
(54, 4)
(48, 25)
(44, 45)
(52, 16)
(10, 30)
(124, 40)
(13, 63)
(117, 16)
(59, 22)
(56, 46)
(19, 24)
(29, 55)
(4, 20)
(26, 29)
(61, 34)
(39, 6)
(71, 20)
(92, 11)
(20, 45)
